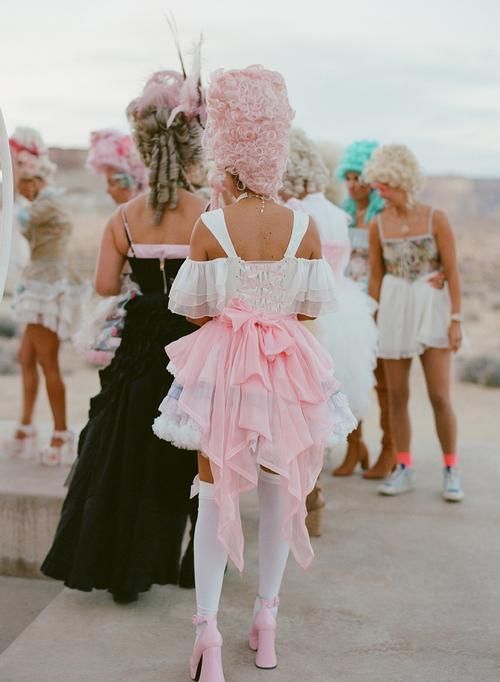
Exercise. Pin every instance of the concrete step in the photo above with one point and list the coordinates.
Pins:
(31, 496)
(396, 593)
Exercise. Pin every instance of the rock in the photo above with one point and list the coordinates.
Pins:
(483, 370)
(8, 328)
(8, 360)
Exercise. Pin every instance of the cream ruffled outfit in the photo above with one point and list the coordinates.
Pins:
(412, 315)
(50, 293)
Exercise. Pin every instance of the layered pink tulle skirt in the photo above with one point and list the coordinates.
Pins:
(255, 389)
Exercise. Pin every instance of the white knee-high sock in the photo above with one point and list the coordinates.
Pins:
(273, 548)
(210, 557)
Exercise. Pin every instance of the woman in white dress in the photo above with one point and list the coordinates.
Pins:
(349, 333)
(48, 298)
(409, 243)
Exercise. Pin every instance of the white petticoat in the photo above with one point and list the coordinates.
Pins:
(55, 305)
(412, 316)
(350, 336)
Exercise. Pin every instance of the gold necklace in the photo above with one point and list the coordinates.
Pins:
(262, 198)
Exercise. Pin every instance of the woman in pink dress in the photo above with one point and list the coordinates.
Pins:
(254, 392)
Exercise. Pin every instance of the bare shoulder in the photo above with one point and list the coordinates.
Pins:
(310, 247)
(192, 202)
(440, 219)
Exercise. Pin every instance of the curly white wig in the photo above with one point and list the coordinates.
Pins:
(331, 154)
(395, 165)
(306, 172)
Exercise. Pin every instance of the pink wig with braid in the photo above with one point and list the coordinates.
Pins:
(112, 148)
(248, 124)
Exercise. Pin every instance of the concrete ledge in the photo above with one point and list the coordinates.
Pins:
(402, 590)
(30, 503)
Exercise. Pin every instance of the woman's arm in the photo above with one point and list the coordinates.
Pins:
(445, 239)
(376, 261)
(110, 264)
(310, 249)
(198, 251)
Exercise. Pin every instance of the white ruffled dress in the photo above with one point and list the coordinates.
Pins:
(413, 315)
(49, 293)
(349, 333)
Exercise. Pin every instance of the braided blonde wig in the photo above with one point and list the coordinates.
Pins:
(166, 125)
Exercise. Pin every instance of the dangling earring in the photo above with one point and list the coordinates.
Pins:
(240, 186)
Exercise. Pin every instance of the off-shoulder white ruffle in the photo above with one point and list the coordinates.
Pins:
(203, 288)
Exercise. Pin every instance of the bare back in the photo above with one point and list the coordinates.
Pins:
(256, 236)
(175, 228)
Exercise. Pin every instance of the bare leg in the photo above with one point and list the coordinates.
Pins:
(29, 369)
(46, 344)
(397, 373)
(204, 469)
(436, 363)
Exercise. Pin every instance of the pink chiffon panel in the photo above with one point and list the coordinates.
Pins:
(258, 388)
(337, 255)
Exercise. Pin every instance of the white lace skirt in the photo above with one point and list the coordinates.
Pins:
(412, 316)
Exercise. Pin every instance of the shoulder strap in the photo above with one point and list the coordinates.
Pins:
(299, 229)
(431, 215)
(216, 223)
(380, 226)
(127, 229)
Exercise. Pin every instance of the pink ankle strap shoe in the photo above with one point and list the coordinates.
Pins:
(262, 638)
(206, 660)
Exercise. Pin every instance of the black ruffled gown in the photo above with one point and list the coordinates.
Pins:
(126, 511)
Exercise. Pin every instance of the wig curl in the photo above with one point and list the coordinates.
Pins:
(167, 123)
(330, 155)
(31, 155)
(395, 165)
(248, 123)
(305, 172)
(111, 148)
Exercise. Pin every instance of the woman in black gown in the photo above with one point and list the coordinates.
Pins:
(125, 514)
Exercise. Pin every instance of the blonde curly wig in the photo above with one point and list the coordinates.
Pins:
(331, 154)
(166, 125)
(306, 172)
(395, 165)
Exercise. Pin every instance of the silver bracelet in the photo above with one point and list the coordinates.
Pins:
(457, 317)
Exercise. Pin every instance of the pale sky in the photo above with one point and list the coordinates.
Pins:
(425, 73)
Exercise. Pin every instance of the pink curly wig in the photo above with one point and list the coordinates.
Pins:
(248, 124)
(111, 148)
(31, 155)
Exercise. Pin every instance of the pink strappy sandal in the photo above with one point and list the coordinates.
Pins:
(262, 638)
(206, 660)
(24, 448)
(54, 455)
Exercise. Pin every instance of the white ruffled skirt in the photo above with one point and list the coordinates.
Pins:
(350, 336)
(55, 305)
(412, 316)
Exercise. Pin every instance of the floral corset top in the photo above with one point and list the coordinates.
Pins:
(410, 257)
(288, 286)
(358, 266)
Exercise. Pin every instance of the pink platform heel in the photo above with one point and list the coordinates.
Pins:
(262, 638)
(24, 447)
(54, 455)
(206, 660)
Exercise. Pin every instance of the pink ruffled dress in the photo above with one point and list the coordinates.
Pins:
(253, 386)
